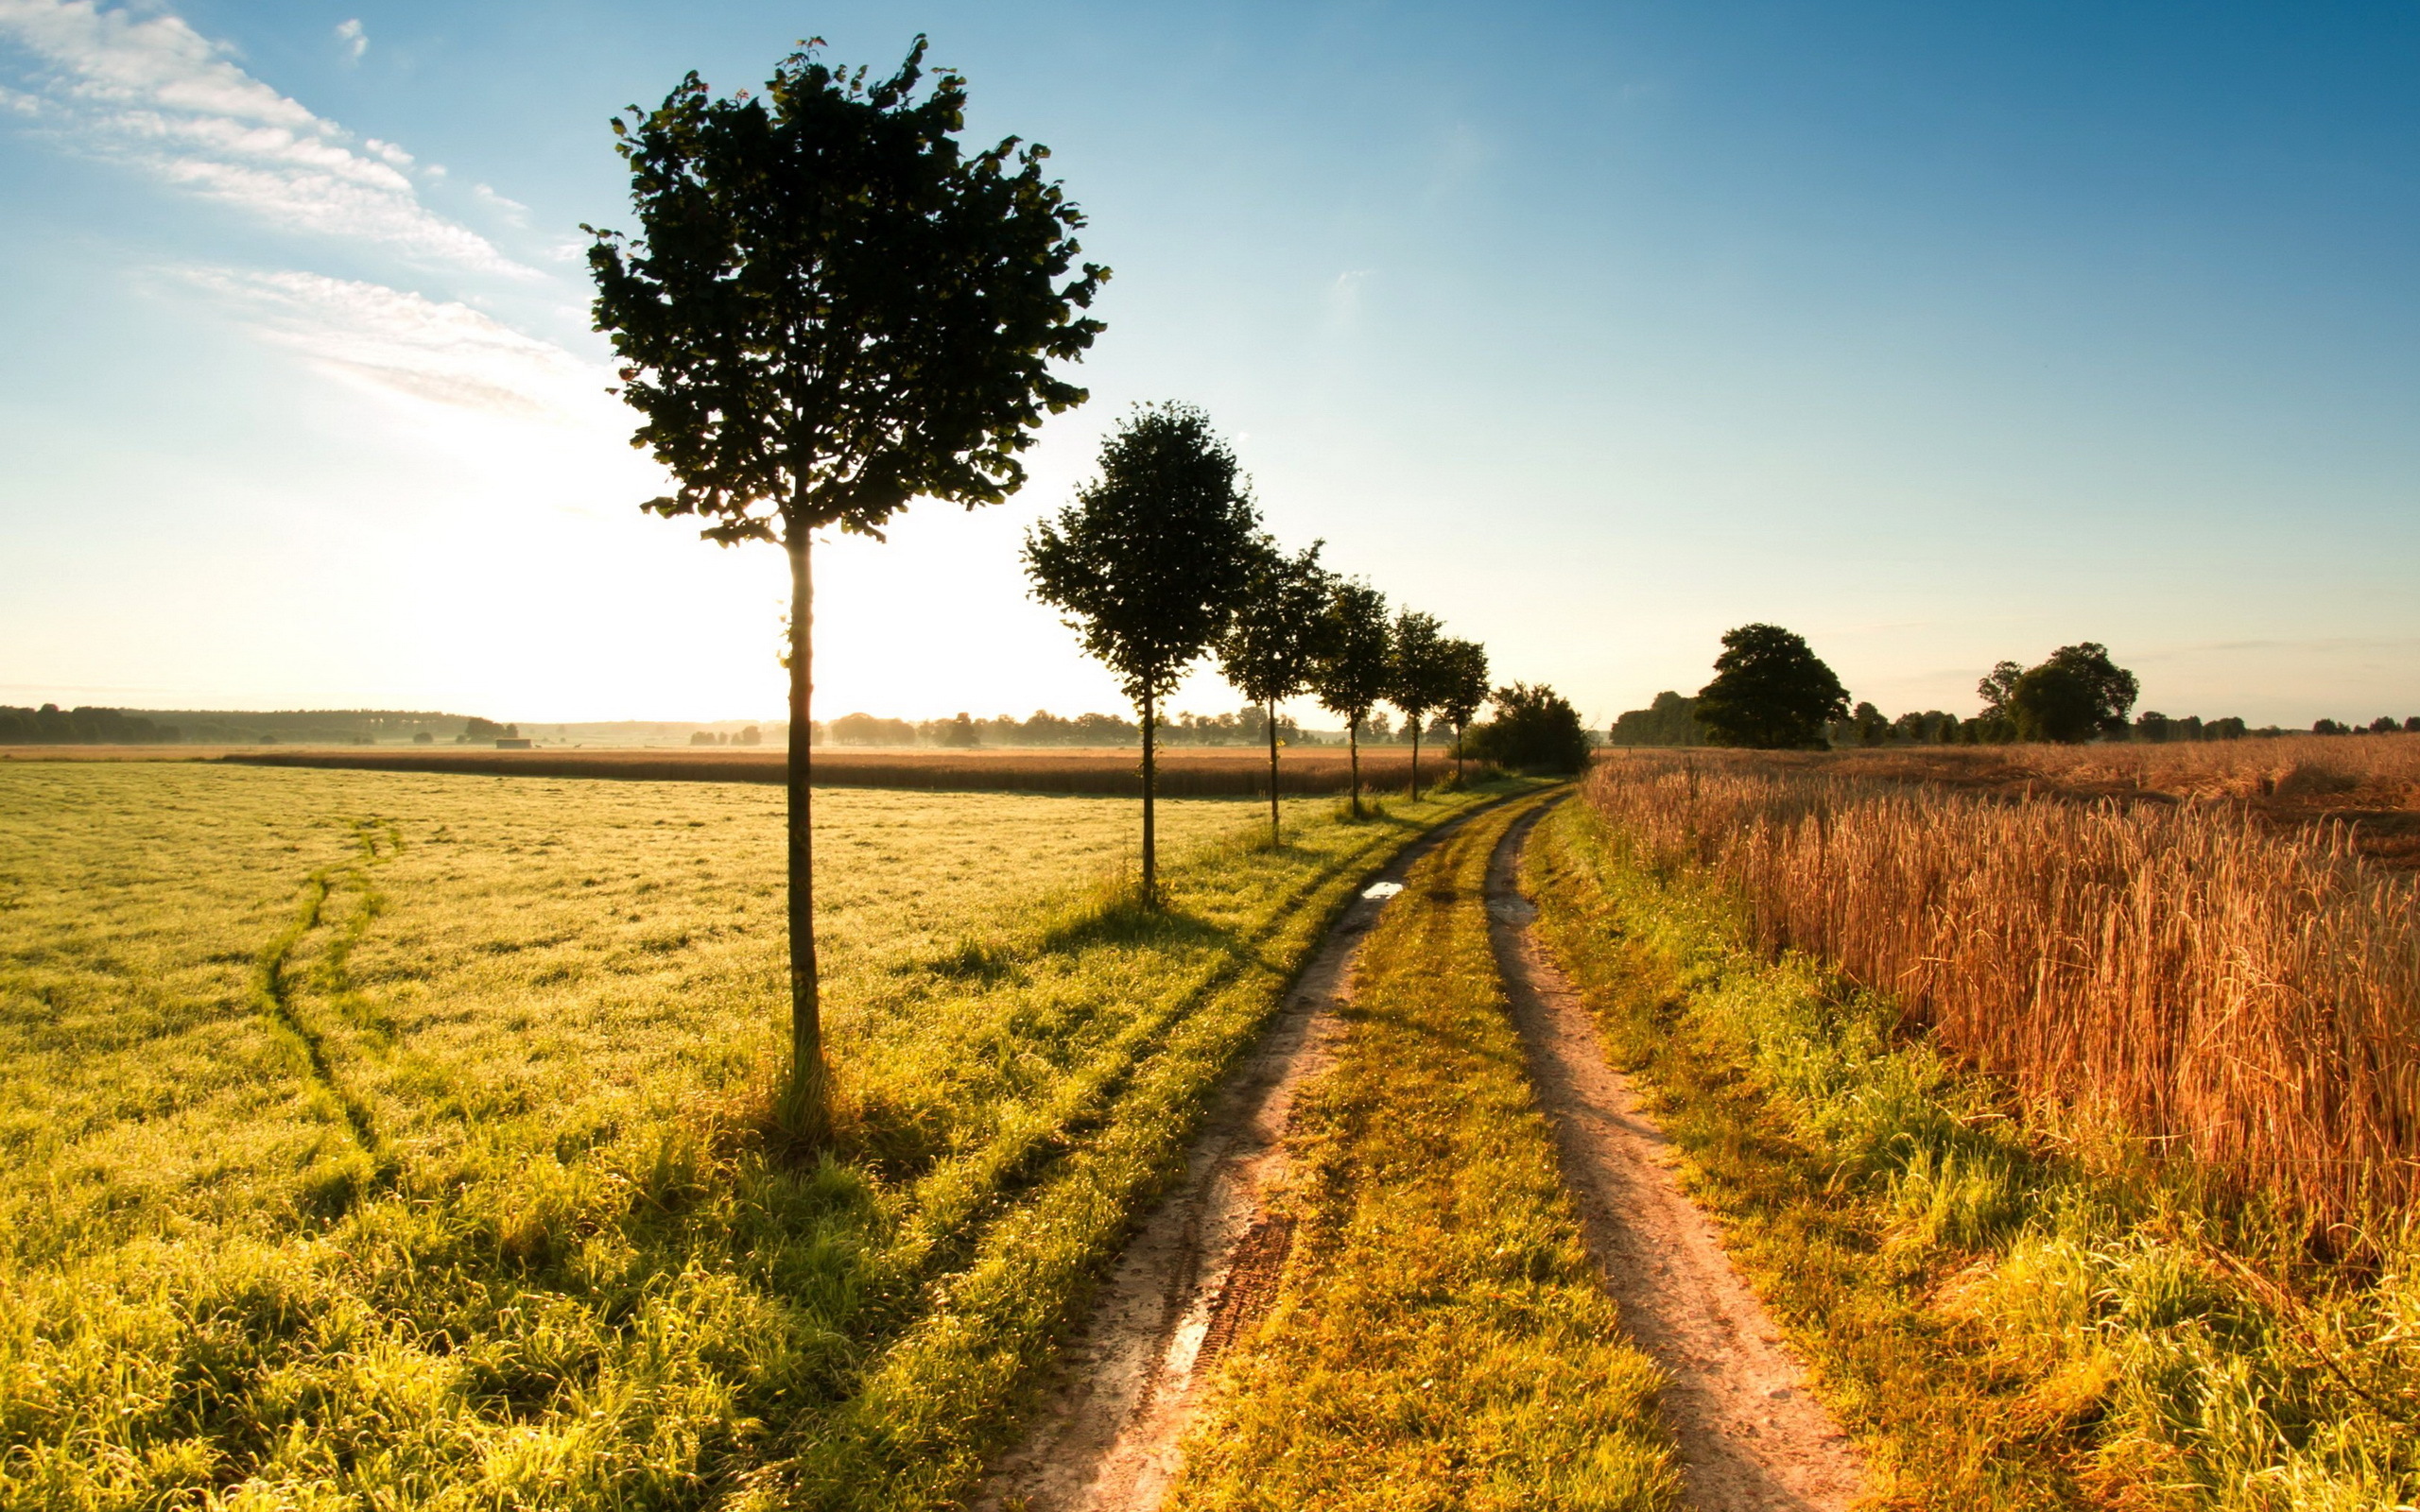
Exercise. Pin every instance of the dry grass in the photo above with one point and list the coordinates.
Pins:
(1191, 773)
(2011, 1323)
(2366, 784)
(2204, 983)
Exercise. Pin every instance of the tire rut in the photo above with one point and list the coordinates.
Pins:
(1203, 1267)
(1751, 1437)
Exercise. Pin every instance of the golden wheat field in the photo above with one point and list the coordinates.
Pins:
(2215, 985)
(390, 1140)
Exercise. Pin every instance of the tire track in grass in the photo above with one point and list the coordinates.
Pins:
(1751, 1436)
(1204, 1264)
(274, 981)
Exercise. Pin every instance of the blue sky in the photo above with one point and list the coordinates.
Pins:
(1940, 335)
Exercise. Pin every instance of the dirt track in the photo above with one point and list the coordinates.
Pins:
(1203, 1266)
(1750, 1436)
(1207, 1263)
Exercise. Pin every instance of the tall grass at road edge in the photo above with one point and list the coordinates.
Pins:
(2009, 1323)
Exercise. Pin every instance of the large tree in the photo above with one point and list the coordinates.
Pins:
(1151, 562)
(1274, 642)
(1466, 693)
(2077, 694)
(1770, 692)
(1356, 664)
(1421, 676)
(830, 309)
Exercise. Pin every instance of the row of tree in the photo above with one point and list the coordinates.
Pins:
(1161, 560)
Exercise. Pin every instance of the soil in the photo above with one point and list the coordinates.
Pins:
(1207, 1263)
(1204, 1265)
(1750, 1436)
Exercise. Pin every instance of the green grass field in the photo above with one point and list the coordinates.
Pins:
(392, 1141)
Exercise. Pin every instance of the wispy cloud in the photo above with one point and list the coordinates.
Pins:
(148, 88)
(401, 343)
(355, 40)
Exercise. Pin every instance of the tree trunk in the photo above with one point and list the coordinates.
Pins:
(1353, 753)
(807, 1080)
(1415, 758)
(1461, 733)
(1150, 857)
(1273, 838)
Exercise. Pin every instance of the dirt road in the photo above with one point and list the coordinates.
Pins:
(1205, 1264)
(1751, 1437)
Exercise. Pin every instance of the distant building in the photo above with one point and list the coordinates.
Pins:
(513, 743)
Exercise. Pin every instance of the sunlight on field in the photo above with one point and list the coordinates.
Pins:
(386, 1138)
(239, 1114)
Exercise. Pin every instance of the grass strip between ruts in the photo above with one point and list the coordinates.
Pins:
(2007, 1324)
(1441, 1337)
(937, 1400)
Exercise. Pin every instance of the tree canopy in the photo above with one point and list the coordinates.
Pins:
(1151, 561)
(829, 309)
(1770, 692)
(1535, 730)
(1357, 662)
(1272, 643)
(2075, 694)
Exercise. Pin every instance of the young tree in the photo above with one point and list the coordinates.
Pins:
(829, 310)
(1420, 676)
(1150, 562)
(1466, 693)
(1769, 692)
(1274, 641)
(1357, 662)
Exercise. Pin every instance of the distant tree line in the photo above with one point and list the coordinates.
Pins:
(1770, 691)
(53, 726)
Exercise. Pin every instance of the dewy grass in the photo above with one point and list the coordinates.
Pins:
(380, 1139)
(2013, 1310)
(1440, 1338)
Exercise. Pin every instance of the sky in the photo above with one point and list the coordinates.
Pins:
(1939, 335)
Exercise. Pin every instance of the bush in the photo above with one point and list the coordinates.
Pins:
(1535, 730)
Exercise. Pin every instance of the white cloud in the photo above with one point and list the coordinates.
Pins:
(400, 343)
(150, 88)
(356, 41)
(512, 210)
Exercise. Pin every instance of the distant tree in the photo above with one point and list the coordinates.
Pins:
(1535, 730)
(1770, 692)
(2078, 693)
(1421, 676)
(1356, 663)
(832, 309)
(1465, 693)
(1868, 727)
(2154, 728)
(1274, 643)
(1669, 720)
(1998, 691)
(2383, 724)
(1151, 562)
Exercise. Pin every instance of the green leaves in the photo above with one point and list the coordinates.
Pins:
(1274, 643)
(1152, 558)
(1355, 668)
(1770, 692)
(830, 309)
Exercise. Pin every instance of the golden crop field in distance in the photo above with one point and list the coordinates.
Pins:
(381, 1139)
